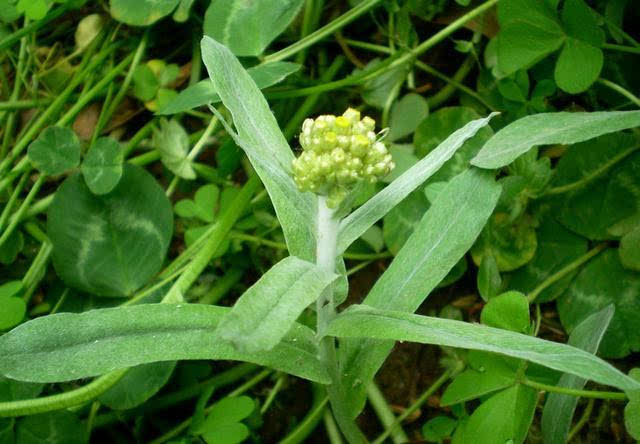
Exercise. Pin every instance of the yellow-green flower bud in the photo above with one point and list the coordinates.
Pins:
(337, 153)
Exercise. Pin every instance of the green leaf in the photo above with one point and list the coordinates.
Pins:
(379, 91)
(578, 66)
(354, 225)
(49, 348)
(488, 280)
(172, 141)
(55, 427)
(509, 311)
(400, 222)
(444, 235)
(406, 115)
(581, 22)
(33, 9)
(55, 151)
(12, 307)
(264, 144)
(550, 128)
(512, 243)
(247, 28)
(110, 245)
(12, 246)
(487, 373)
(12, 390)
(203, 92)
(529, 31)
(557, 247)
(632, 415)
(503, 418)
(559, 409)
(361, 321)
(630, 250)
(102, 166)
(138, 385)
(593, 203)
(438, 428)
(602, 282)
(266, 311)
(222, 425)
(145, 83)
(203, 206)
(437, 127)
(141, 12)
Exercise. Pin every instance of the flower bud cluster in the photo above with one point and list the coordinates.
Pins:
(337, 153)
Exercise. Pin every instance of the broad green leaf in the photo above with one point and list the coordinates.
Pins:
(102, 165)
(138, 385)
(581, 22)
(145, 83)
(559, 409)
(529, 31)
(264, 144)
(49, 349)
(503, 418)
(264, 314)
(55, 427)
(399, 223)
(12, 246)
(487, 373)
(33, 9)
(110, 245)
(438, 428)
(361, 321)
(203, 206)
(632, 415)
(509, 311)
(55, 151)
(444, 235)
(172, 141)
(354, 225)
(630, 250)
(557, 247)
(602, 282)
(12, 390)
(488, 280)
(12, 311)
(512, 243)
(247, 28)
(577, 53)
(141, 12)
(437, 127)
(382, 89)
(222, 425)
(590, 202)
(203, 92)
(406, 115)
(550, 128)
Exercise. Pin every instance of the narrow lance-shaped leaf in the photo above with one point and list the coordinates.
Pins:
(68, 346)
(548, 128)
(559, 409)
(264, 144)
(353, 226)
(444, 235)
(203, 92)
(265, 312)
(361, 321)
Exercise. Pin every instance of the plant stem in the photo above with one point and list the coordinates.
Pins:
(593, 175)
(319, 34)
(311, 420)
(237, 392)
(62, 400)
(218, 381)
(618, 396)
(219, 232)
(391, 425)
(332, 428)
(21, 210)
(31, 27)
(391, 62)
(582, 421)
(619, 89)
(555, 277)
(621, 48)
(416, 405)
(273, 393)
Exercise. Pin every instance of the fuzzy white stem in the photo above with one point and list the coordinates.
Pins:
(326, 251)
